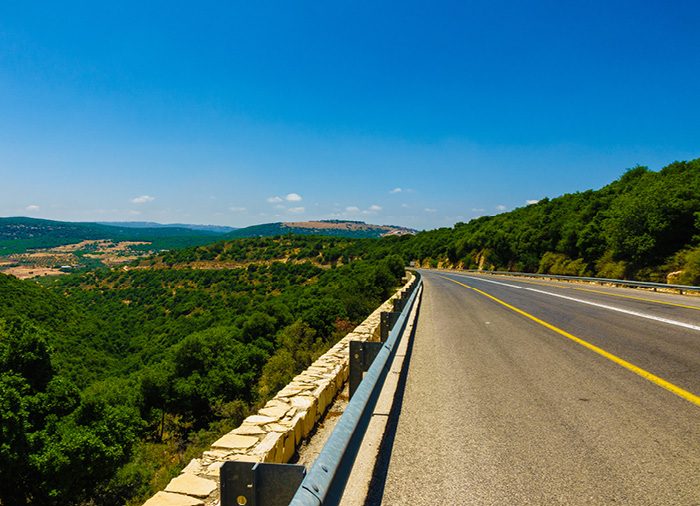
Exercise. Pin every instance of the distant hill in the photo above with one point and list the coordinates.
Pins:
(335, 228)
(19, 234)
(219, 229)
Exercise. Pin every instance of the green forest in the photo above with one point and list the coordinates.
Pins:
(112, 379)
(21, 234)
(645, 226)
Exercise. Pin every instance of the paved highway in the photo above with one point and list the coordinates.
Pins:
(531, 392)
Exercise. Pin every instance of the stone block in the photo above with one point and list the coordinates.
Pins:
(245, 458)
(214, 470)
(288, 447)
(298, 427)
(273, 411)
(278, 427)
(322, 394)
(289, 391)
(259, 420)
(217, 454)
(194, 467)
(235, 442)
(248, 430)
(191, 484)
(168, 499)
(277, 402)
(270, 448)
(339, 380)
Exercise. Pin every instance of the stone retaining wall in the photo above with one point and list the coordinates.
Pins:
(275, 432)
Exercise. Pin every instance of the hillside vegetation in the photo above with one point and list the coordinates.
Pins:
(111, 380)
(319, 250)
(645, 225)
(333, 228)
(21, 234)
(17, 235)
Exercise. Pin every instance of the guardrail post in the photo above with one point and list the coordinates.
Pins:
(400, 302)
(257, 484)
(388, 319)
(362, 354)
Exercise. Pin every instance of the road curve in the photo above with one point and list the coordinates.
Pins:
(503, 406)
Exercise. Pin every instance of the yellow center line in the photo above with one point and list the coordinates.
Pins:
(688, 396)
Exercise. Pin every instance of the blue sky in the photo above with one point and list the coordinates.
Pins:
(411, 113)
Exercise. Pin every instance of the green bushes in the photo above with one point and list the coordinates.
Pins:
(560, 264)
(631, 228)
(56, 447)
(686, 267)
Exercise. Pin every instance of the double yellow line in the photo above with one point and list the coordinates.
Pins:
(690, 397)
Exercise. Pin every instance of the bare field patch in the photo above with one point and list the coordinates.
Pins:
(28, 272)
(326, 225)
(54, 261)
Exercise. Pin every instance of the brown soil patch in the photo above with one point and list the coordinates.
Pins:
(28, 272)
(334, 226)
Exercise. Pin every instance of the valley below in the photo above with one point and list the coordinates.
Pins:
(68, 258)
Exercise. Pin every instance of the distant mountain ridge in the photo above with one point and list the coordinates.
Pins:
(334, 228)
(20, 234)
(218, 229)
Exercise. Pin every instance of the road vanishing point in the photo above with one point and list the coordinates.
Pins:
(523, 391)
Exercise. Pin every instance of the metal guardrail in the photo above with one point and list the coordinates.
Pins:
(325, 481)
(620, 282)
(262, 484)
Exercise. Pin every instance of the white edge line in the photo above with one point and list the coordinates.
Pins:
(595, 304)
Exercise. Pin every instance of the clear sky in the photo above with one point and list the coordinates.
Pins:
(411, 113)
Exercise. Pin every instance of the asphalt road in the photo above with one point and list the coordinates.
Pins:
(576, 394)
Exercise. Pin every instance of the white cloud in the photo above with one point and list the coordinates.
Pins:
(352, 209)
(133, 212)
(374, 208)
(274, 200)
(296, 210)
(143, 199)
(532, 201)
(405, 206)
(501, 207)
(396, 190)
(280, 206)
(293, 197)
(32, 208)
(237, 209)
(478, 209)
(430, 210)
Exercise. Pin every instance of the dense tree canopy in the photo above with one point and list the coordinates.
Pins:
(644, 225)
(99, 369)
